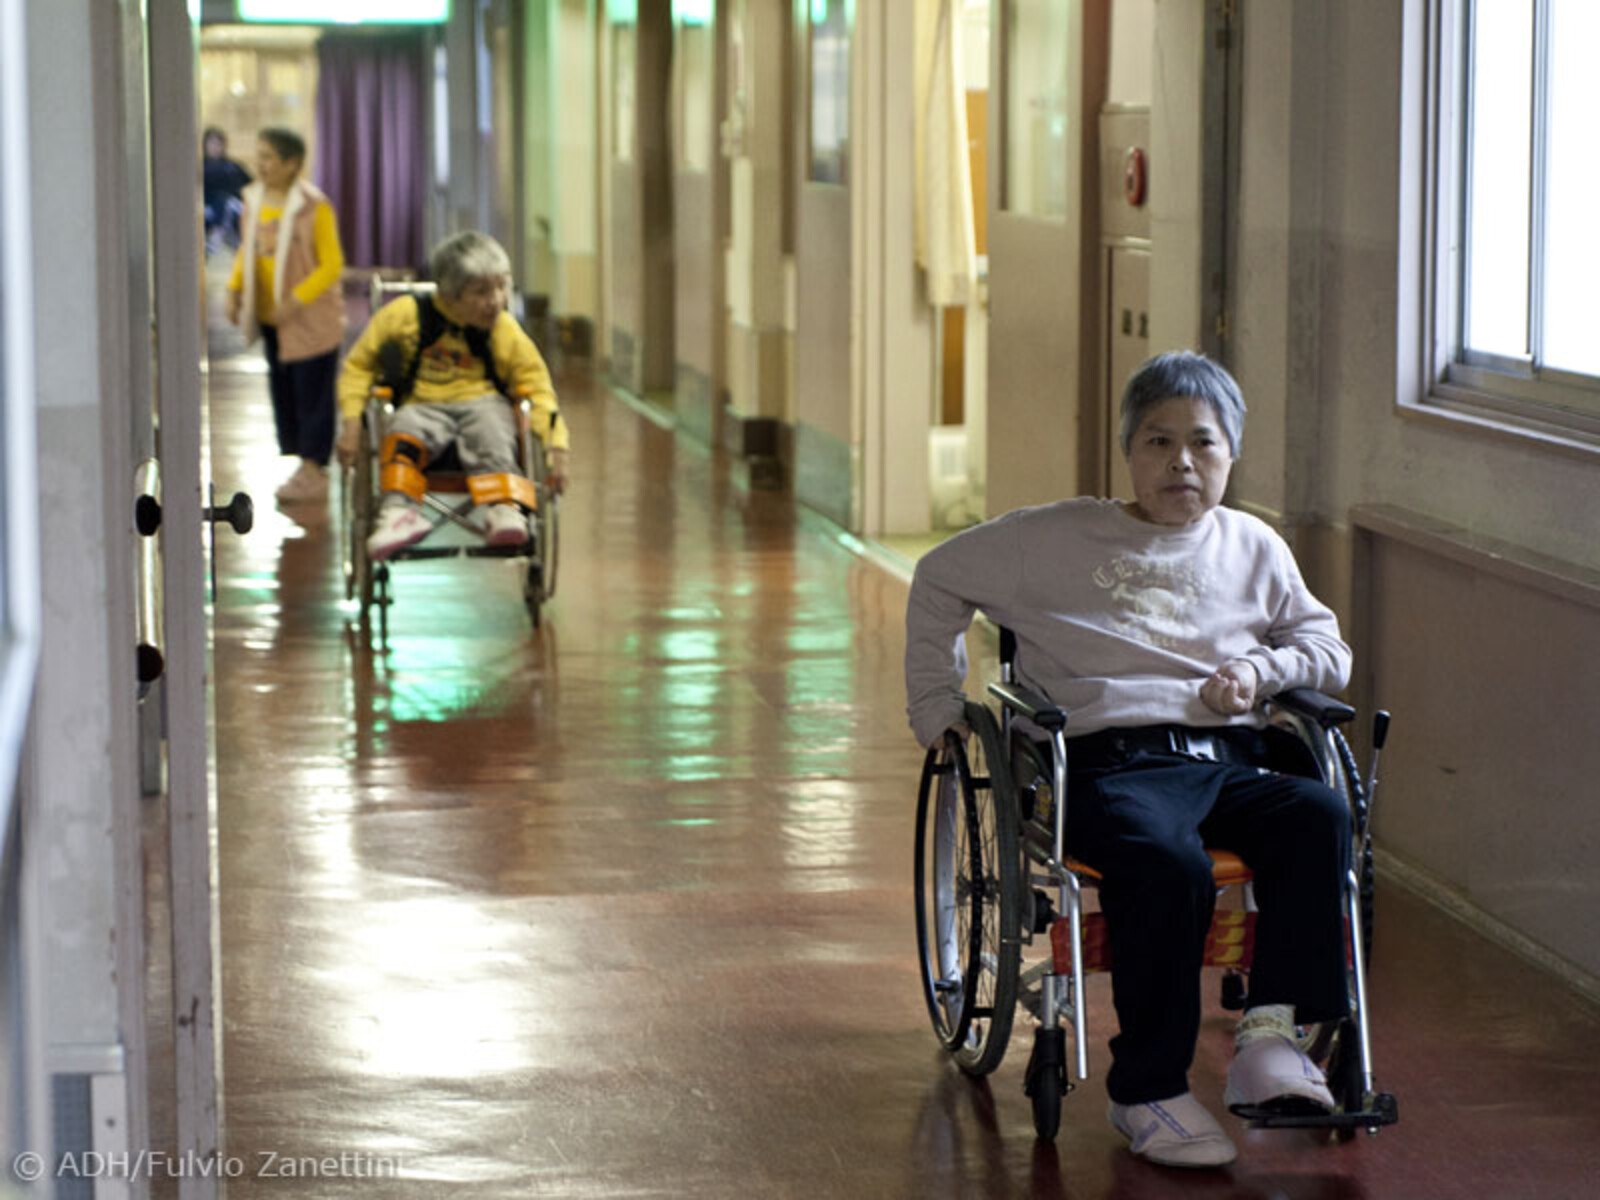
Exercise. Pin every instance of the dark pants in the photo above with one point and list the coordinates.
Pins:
(302, 400)
(1143, 819)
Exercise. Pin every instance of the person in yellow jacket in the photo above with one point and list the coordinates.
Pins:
(286, 287)
(452, 359)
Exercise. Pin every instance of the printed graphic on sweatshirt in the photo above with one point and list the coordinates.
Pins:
(448, 360)
(1152, 600)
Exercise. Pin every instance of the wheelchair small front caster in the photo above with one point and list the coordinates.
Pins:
(1046, 1079)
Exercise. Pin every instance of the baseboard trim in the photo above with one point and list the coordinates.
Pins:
(1441, 895)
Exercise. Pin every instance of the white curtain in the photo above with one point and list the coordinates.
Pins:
(946, 240)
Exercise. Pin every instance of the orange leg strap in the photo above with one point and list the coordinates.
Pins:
(403, 457)
(506, 485)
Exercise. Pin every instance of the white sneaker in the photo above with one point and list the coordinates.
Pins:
(399, 526)
(1272, 1070)
(504, 525)
(310, 482)
(1175, 1133)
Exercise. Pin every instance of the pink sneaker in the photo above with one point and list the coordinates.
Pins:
(504, 525)
(399, 526)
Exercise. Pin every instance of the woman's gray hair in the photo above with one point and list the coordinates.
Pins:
(1183, 373)
(463, 257)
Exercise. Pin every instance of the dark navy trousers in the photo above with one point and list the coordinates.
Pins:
(302, 400)
(1144, 823)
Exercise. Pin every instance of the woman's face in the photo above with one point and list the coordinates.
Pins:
(1180, 462)
(273, 170)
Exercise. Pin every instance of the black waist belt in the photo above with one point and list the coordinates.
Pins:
(1236, 744)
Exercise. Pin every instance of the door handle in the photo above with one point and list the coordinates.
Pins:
(149, 628)
(240, 513)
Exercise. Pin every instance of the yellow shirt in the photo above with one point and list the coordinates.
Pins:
(330, 260)
(448, 372)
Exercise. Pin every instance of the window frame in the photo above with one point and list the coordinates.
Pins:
(1508, 395)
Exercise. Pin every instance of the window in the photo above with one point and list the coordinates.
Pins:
(1036, 72)
(829, 83)
(694, 72)
(1515, 331)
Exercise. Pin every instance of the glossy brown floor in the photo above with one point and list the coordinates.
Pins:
(622, 907)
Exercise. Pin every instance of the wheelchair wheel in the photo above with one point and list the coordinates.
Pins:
(968, 894)
(359, 505)
(1046, 1080)
(547, 532)
(1344, 1073)
(549, 542)
(533, 590)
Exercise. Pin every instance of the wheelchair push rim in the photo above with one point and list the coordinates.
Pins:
(968, 894)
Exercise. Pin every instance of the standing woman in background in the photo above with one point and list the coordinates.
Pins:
(286, 285)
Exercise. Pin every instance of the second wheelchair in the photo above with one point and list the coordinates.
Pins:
(438, 491)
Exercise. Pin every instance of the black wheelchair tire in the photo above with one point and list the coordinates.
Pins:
(533, 594)
(549, 543)
(1046, 1113)
(980, 809)
(1344, 1073)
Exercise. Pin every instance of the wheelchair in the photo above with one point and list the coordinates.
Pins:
(448, 501)
(991, 823)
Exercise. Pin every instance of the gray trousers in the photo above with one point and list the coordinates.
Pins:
(484, 432)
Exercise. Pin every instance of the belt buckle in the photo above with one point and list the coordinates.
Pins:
(1199, 746)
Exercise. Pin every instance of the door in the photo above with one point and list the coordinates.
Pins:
(173, 419)
(1049, 59)
(22, 1122)
(641, 288)
(699, 187)
(827, 466)
(99, 205)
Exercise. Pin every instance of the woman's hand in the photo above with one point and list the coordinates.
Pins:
(230, 307)
(1231, 688)
(349, 441)
(556, 472)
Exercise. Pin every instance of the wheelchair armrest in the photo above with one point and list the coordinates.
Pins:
(1030, 704)
(1314, 706)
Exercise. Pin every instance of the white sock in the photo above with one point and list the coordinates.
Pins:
(1264, 1021)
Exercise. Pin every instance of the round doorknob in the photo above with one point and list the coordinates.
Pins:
(239, 512)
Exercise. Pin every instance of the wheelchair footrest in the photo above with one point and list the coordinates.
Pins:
(412, 553)
(1384, 1110)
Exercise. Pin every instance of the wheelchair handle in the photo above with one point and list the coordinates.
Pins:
(1380, 729)
(1030, 704)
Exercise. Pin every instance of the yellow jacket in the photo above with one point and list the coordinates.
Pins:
(294, 248)
(448, 372)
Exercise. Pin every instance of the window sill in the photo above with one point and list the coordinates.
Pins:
(1459, 408)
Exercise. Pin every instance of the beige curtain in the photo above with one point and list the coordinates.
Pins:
(946, 246)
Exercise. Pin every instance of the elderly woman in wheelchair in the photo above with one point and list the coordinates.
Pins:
(1141, 640)
(451, 361)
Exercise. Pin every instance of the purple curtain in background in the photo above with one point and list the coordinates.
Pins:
(372, 152)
